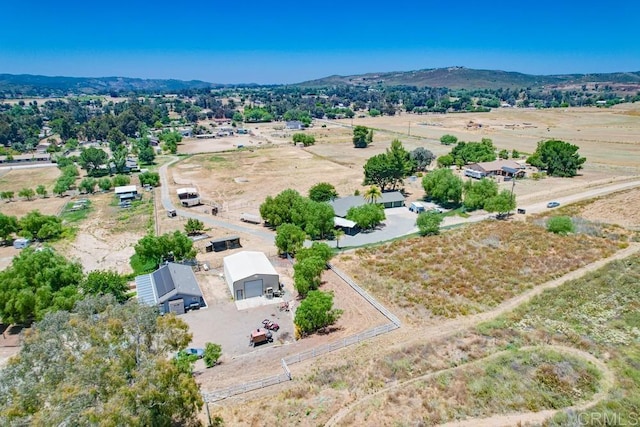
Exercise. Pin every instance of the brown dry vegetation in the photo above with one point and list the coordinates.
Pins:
(468, 270)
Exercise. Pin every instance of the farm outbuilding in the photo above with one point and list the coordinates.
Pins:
(223, 243)
(249, 274)
(126, 192)
(173, 288)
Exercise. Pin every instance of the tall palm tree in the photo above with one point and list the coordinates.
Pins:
(373, 194)
(339, 233)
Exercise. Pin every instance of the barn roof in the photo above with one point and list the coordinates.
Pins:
(247, 263)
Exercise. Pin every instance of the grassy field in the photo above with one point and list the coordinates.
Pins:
(513, 381)
(468, 270)
(599, 314)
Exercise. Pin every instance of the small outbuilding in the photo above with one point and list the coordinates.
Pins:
(249, 274)
(126, 192)
(173, 288)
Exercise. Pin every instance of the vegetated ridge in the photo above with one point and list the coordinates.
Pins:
(27, 84)
(467, 78)
(451, 77)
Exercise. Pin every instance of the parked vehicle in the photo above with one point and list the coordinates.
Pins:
(270, 325)
(260, 336)
(553, 204)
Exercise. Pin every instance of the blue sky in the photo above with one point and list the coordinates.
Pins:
(289, 42)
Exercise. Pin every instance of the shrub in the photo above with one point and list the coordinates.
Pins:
(212, 353)
(560, 225)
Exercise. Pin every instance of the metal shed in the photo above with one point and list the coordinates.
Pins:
(248, 274)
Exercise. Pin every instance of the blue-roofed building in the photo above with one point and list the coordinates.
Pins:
(173, 288)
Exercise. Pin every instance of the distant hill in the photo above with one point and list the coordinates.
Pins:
(467, 78)
(26, 84)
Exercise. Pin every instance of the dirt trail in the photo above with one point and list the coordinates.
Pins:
(452, 327)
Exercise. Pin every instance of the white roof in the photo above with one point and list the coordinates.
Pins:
(186, 190)
(343, 222)
(247, 263)
(125, 189)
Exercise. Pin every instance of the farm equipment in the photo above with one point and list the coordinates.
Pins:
(260, 336)
(273, 326)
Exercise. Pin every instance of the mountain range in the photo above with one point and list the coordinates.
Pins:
(451, 77)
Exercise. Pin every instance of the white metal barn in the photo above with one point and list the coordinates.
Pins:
(249, 274)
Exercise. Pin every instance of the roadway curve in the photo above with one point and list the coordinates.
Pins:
(455, 326)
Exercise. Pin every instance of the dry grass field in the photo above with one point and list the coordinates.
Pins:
(468, 270)
(17, 179)
(607, 137)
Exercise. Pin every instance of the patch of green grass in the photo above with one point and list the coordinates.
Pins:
(138, 217)
(71, 215)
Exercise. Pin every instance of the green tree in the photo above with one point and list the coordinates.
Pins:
(443, 186)
(27, 193)
(106, 283)
(317, 249)
(515, 154)
(7, 195)
(559, 158)
(147, 155)
(316, 312)
(119, 160)
(41, 190)
(151, 251)
(8, 226)
(502, 203)
(88, 185)
(445, 161)
(111, 368)
(289, 238)
(560, 225)
(38, 282)
(315, 218)
(503, 154)
(104, 184)
(378, 171)
(35, 225)
(429, 223)
(322, 192)
(396, 165)
(92, 159)
(120, 180)
(149, 178)
(212, 353)
(472, 152)
(305, 139)
(421, 158)
(361, 137)
(448, 139)
(277, 210)
(366, 216)
(193, 226)
(307, 274)
(476, 193)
